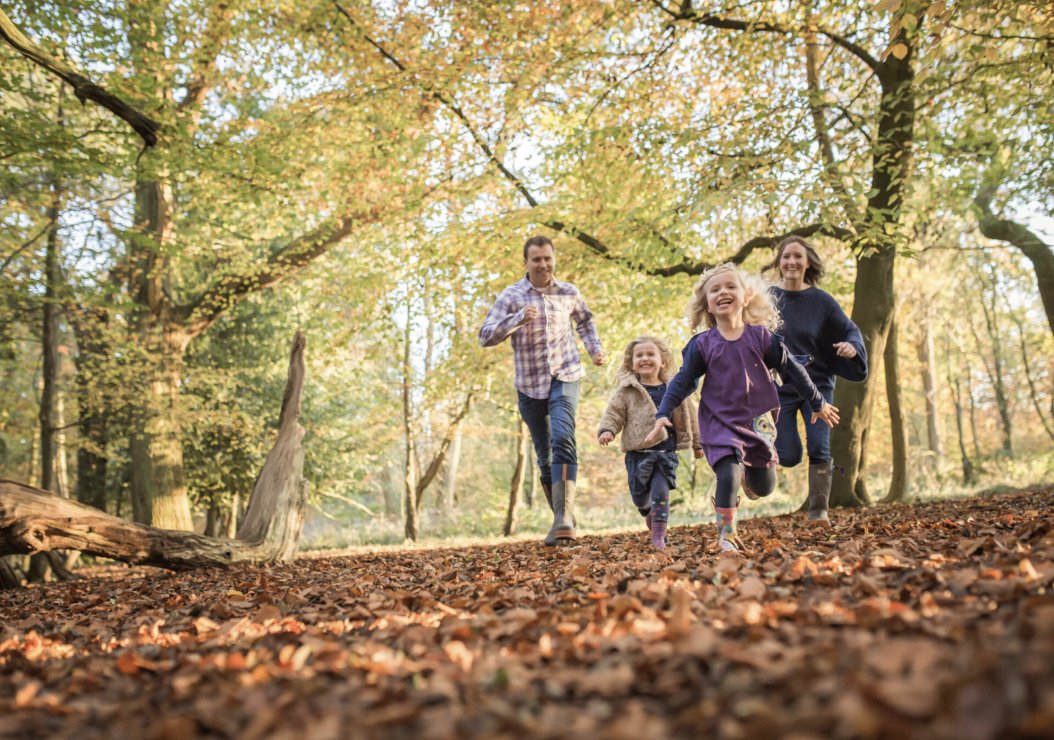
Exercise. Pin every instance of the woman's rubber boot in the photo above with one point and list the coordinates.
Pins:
(819, 492)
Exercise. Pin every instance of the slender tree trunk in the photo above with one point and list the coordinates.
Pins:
(90, 329)
(1027, 366)
(967, 466)
(929, 388)
(899, 481)
(49, 341)
(231, 522)
(995, 369)
(450, 479)
(62, 468)
(532, 470)
(410, 470)
(973, 417)
(523, 440)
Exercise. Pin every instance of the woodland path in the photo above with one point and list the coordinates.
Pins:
(932, 620)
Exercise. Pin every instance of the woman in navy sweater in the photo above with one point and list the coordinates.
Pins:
(823, 339)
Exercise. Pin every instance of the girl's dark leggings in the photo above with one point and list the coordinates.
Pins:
(731, 474)
(656, 499)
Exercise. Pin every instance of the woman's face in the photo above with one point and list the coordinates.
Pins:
(793, 262)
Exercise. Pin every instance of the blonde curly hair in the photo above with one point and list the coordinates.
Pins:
(758, 307)
(665, 354)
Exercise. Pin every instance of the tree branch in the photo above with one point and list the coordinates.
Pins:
(146, 127)
(1031, 245)
(697, 268)
(690, 15)
(297, 254)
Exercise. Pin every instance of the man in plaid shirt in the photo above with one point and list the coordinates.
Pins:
(537, 312)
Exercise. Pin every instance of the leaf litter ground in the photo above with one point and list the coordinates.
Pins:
(932, 620)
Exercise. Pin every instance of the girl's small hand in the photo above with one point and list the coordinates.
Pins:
(605, 438)
(844, 349)
(699, 453)
(828, 415)
(653, 435)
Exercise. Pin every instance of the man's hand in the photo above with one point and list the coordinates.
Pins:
(653, 435)
(530, 313)
(844, 349)
(828, 415)
(605, 438)
(600, 358)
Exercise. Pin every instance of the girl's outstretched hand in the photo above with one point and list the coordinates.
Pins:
(828, 415)
(605, 438)
(653, 435)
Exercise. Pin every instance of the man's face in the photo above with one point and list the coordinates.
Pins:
(541, 264)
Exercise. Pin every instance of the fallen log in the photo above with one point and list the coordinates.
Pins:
(33, 520)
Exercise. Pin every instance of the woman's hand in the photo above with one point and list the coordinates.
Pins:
(828, 415)
(653, 435)
(844, 349)
(605, 438)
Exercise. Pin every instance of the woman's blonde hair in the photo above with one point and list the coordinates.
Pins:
(665, 354)
(758, 307)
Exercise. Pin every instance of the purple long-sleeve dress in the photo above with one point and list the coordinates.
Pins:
(738, 404)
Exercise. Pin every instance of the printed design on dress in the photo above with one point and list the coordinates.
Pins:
(765, 427)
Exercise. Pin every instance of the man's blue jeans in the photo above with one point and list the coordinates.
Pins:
(551, 422)
(817, 436)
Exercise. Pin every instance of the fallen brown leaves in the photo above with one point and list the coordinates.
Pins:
(913, 621)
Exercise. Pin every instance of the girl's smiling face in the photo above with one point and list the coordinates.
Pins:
(725, 296)
(647, 362)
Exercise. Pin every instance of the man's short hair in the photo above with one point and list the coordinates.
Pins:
(537, 241)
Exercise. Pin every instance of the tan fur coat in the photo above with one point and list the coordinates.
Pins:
(631, 411)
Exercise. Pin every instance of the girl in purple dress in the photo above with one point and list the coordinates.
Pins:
(738, 405)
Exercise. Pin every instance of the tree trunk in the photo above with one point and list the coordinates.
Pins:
(159, 493)
(89, 329)
(873, 293)
(1027, 367)
(49, 342)
(440, 453)
(532, 490)
(32, 520)
(973, 416)
(523, 440)
(967, 466)
(872, 311)
(929, 388)
(995, 369)
(410, 470)
(450, 479)
(275, 514)
(899, 481)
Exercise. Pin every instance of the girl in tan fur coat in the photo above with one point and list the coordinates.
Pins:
(652, 471)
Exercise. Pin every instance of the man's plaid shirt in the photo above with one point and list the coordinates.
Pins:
(545, 348)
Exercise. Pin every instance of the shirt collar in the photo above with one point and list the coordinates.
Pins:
(551, 286)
